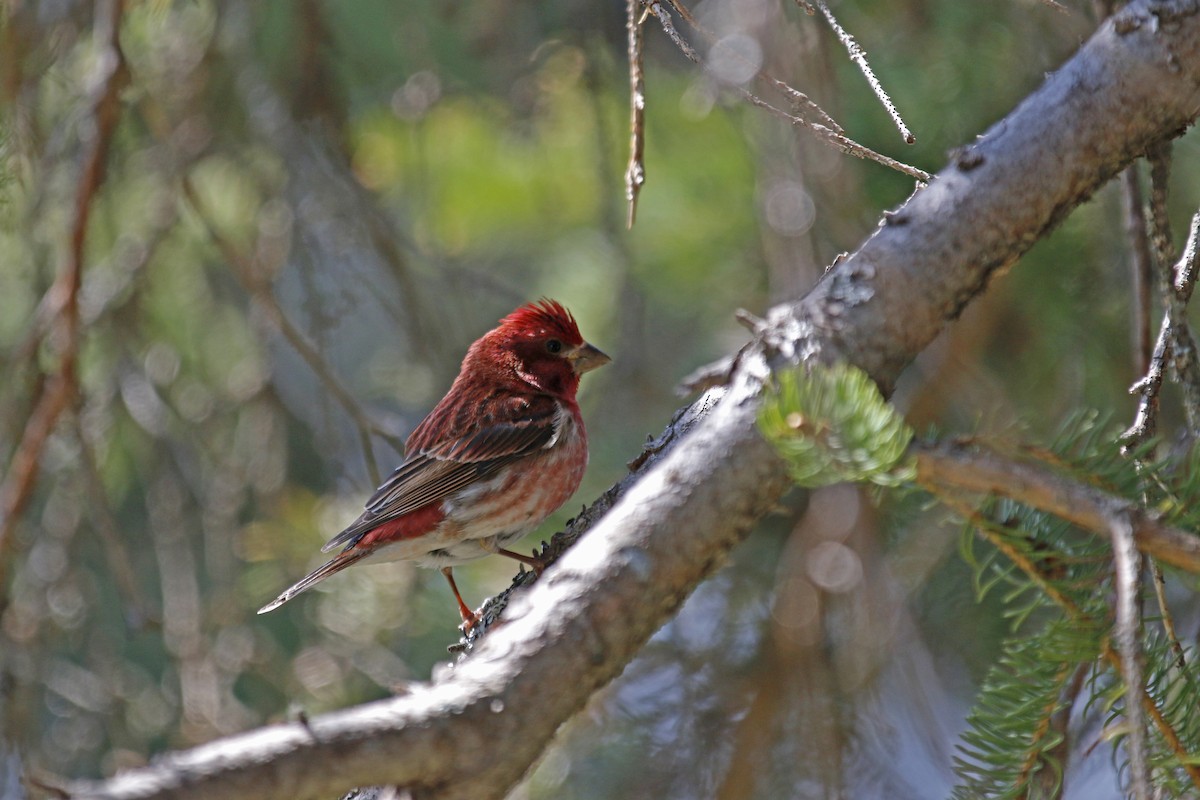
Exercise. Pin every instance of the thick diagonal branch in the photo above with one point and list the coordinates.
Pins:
(474, 732)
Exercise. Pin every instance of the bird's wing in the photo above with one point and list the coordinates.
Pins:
(453, 463)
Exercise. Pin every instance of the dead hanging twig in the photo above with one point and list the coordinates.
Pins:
(1186, 361)
(1187, 371)
(1149, 387)
(63, 296)
(804, 105)
(859, 57)
(838, 141)
(635, 173)
(823, 132)
(1175, 345)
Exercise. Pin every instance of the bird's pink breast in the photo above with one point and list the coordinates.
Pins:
(523, 494)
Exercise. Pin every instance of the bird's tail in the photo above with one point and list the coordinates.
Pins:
(335, 564)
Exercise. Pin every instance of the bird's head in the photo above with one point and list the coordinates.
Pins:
(541, 344)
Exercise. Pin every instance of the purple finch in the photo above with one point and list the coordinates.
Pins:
(502, 451)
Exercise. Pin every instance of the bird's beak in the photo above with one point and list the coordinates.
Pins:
(585, 357)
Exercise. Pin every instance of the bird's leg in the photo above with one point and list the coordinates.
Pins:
(469, 617)
(536, 563)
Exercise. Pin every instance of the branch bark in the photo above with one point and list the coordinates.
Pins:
(474, 732)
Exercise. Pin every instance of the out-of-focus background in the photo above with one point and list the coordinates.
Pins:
(312, 208)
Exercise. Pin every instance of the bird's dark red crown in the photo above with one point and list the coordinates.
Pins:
(544, 317)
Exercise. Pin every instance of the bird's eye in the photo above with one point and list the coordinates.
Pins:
(554, 346)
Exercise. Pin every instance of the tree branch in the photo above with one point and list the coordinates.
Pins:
(962, 466)
(859, 57)
(474, 732)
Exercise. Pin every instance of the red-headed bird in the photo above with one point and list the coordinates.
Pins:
(501, 452)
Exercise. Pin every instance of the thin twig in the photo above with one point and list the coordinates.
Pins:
(800, 101)
(1159, 158)
(1176, 280)
(635, 173)
(803, 103)
(664, 19)
(1145, 421)
(860, 58)
(1185, 268)
(1168, 733)
(1127, 633)
(823, 132)
(63, 296)
(1183, 282)
(686, 14)
(836, 140)
(1165, 616)
(1047, 717)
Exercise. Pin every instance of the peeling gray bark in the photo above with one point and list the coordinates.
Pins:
(474, 732)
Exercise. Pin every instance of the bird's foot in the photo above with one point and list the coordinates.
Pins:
(469, 620)
(535, 562)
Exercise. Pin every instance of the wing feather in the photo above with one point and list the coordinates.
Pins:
(454, 463)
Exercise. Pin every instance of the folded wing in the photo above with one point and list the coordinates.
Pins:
(451, 464)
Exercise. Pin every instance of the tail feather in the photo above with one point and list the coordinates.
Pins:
(335, 564)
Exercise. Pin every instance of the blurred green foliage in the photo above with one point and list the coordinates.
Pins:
(395, 177)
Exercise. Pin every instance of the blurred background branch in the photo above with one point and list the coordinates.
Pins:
(61, 302)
